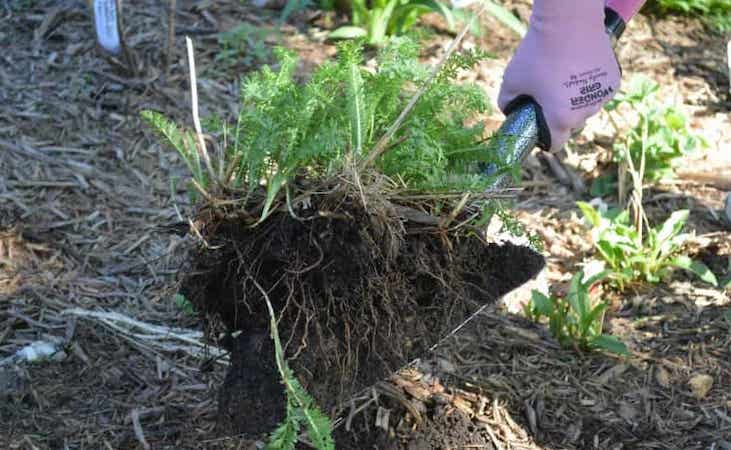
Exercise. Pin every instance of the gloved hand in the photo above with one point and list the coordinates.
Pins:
(566, 64)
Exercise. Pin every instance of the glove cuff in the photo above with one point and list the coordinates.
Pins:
(568, 9)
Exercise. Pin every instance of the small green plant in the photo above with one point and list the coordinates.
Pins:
(377, 20)
(715, 12)
(662, 131)
(632, 257)
(576, 320)
(184, 304)
(244, 44)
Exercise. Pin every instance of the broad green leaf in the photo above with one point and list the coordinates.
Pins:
(435, 6)
(726, 283)
(674, 119)
(592, 323)
(672, 226)
(578, 296)
(610, 344)
(591, 214)
(598, 277)
(542, 305)
(697, 267)
(381, 26)
(348, 32)
(610, 253)
(506, 17)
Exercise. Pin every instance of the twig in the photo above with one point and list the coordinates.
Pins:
(194, 107)
(453, 215)
(155, 335)
(137, 426)
(382, 144)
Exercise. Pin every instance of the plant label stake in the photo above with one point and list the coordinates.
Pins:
(107, 17)
(107, 25)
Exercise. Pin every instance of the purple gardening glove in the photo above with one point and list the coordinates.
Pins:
(566, 64)
(625, 8)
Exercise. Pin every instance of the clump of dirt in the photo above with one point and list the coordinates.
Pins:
(359, 293)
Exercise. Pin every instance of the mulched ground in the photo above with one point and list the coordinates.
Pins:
(85, 197)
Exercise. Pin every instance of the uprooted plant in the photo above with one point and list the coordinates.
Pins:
(353, 201)
(286, 130)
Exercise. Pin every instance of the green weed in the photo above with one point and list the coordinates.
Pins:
(301, 408)
(576, 320)
(632, 257)
(662, 131)
(244, 44)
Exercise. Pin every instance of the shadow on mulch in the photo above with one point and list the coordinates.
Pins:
(696, 51)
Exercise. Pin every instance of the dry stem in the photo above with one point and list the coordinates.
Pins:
(194, 107)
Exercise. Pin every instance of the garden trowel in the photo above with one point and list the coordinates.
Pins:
(519, 133)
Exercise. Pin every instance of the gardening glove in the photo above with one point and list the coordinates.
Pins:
(625, 8)
(565, 64)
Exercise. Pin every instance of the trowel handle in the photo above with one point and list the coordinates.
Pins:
(518, 135)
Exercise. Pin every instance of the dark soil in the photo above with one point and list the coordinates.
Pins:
(358, 299)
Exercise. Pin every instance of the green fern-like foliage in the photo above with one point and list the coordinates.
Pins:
(301, 407)
(286, 128)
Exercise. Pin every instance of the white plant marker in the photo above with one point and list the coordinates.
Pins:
(106, 24)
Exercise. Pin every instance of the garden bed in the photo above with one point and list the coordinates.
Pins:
(85, 209)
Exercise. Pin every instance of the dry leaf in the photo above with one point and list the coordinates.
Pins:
(663, 377)
(700, 385)
(612, 373)
(382, 418)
